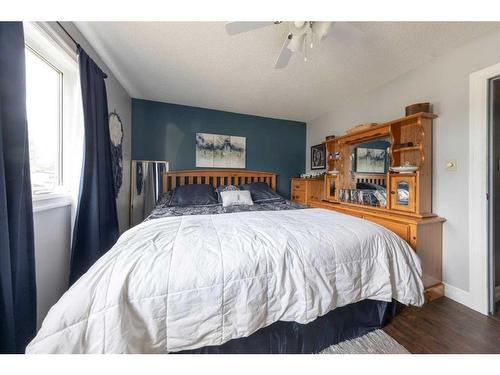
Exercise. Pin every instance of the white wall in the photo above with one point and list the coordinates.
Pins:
(53, 226)
(445, 83)
(52, 243)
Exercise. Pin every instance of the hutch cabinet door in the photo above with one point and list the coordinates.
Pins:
(402, 192)
(331, 188)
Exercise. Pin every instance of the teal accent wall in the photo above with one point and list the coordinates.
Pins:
(163, 131)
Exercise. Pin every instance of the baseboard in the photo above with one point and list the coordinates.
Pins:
(457, 294)
(464, 297)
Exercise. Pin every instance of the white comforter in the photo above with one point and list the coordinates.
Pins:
(186, 282)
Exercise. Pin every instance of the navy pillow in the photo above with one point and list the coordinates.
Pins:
(262, 193)
(193, 195)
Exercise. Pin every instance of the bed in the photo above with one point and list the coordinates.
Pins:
(273, 277)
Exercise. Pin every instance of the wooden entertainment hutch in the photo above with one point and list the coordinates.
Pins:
(412, 219)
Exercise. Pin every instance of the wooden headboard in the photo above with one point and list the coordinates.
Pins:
(216, 178)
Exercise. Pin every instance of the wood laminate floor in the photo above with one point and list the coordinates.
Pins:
(445, 326)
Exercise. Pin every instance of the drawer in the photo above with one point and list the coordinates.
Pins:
(298, 185)
(402, 230)
(299, 196)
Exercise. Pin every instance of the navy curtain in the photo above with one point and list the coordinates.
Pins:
(17, 259)
(96, 223)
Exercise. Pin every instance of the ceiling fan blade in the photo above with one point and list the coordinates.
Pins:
(233, 28)
(285, 54)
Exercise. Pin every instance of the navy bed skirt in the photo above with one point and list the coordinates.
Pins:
(341, 324)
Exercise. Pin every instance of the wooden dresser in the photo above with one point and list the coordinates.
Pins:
(304, 190)
(407, 210)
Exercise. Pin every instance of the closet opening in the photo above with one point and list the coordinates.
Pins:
(494, 196)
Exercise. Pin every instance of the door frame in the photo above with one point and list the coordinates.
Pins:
(478, 187)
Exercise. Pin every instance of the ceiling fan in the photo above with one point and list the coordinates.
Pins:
(301, 35)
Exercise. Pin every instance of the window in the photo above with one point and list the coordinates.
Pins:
(52, 98)
(44, 110)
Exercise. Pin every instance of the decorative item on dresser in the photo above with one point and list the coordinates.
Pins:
(360, 127)
(330, 137)
(399, 199)
(417, 108)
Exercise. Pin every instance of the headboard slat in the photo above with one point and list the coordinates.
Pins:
(378, 179)
(216, 178)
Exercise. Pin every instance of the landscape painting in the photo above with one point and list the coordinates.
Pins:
(220, 151)
(370, 160)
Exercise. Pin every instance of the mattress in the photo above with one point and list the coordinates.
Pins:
(186, 282)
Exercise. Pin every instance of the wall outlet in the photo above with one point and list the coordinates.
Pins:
(451, 165)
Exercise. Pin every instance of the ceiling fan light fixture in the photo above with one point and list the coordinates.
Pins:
(302, 35)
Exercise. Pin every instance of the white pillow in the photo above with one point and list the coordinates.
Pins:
(236, 198)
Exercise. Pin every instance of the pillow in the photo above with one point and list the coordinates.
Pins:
(236, 198)
(193, 195)
(220, 189)
(164, 199)
(262, 193)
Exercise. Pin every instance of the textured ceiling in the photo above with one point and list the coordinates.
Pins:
(198, 64)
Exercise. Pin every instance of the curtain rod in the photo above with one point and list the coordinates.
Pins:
(68, 34)
(74, 41)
